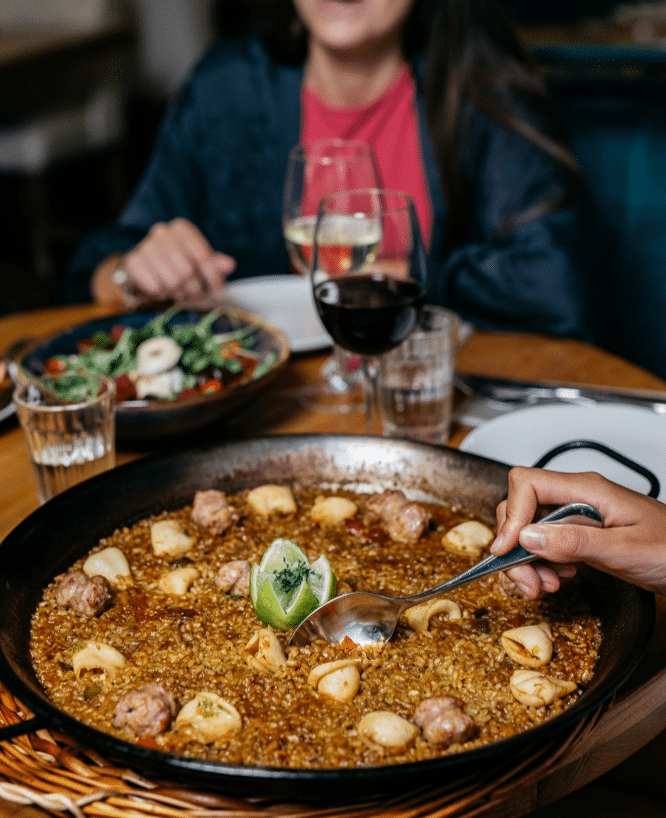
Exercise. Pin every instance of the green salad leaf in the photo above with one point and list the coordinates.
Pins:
(202, 347)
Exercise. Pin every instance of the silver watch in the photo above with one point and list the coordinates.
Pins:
(120, 278)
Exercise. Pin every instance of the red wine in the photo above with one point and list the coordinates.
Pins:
(369, 314)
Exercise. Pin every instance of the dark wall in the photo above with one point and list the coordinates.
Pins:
(543, 11)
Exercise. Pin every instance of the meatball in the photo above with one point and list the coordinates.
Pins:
(213, 511)
(146, 711)
(234, 578)
(86, 596)
(444, 722)
(380, 505)
(404, 519)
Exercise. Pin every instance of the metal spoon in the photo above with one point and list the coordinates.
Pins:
(368, 618)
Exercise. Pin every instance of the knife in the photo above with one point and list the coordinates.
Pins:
(508, 394)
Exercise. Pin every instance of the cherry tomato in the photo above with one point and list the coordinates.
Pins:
(54, 366)
(248, 363)
(210, 386)
(189, 392)
(125, 389)
(115, 332)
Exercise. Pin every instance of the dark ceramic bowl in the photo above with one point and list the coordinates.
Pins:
(157, 419)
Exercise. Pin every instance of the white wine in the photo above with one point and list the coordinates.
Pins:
(63, 465)
(345, 243)
(299, 235)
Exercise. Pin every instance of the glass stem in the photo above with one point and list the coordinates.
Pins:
(369, 364)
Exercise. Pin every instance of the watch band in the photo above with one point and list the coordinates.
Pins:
(131, 296)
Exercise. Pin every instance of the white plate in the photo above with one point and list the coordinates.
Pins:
(522, 437)
(286, 302)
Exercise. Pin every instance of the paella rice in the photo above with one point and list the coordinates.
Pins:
(224, 686)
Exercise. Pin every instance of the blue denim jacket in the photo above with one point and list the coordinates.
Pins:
(220, 161)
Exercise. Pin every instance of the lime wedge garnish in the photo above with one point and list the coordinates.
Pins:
(285, 587)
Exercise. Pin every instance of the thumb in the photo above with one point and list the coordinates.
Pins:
(221, 263)
(216, 267)
(561, 543)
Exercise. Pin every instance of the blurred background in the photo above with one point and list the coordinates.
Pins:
(83, 85)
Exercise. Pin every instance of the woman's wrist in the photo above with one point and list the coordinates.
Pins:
(131, 297)
(110, 284)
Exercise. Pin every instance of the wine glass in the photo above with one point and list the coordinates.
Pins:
(368, 274)
(314, 170)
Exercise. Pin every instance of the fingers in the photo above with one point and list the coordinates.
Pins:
(214, 269)
(176, 261)
(562, 543)
(529, 488)
(631, 545)
(527, 580)
(533, 579)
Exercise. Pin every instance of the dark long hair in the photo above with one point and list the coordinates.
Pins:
(472, 59)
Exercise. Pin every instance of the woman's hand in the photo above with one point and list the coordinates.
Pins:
(631, 545)
(173, 262)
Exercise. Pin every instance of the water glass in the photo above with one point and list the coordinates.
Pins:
(415, 380)
(68, 422)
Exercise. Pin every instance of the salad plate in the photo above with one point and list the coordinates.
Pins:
(208, 390)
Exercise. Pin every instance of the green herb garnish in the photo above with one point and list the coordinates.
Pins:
(289, 578)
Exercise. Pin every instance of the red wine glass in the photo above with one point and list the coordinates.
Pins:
(368, 274)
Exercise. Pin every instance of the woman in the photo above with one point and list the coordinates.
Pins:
(458, 117)
(631, 545)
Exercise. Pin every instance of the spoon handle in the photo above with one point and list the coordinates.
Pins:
(571, 514)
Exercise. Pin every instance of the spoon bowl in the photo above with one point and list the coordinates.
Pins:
(367, 618)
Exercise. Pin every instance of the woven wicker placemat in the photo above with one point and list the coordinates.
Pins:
(56, 774)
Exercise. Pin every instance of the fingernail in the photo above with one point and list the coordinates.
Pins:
(566, 573)
(497, 545)
(525, 590)
(533, 539)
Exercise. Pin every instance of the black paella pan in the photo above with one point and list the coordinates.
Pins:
(65, 528)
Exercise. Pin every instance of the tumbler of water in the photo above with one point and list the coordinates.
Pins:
(68, 422)
(415, 380)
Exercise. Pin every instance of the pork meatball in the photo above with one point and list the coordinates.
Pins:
(443, 722)
(213, 511)
(234, 578)
(86, 596)
(403, 519)
(146, 711)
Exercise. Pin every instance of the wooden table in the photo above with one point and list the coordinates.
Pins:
(639, 712)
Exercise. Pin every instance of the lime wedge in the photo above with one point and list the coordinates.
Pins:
(322, 580)
(285, 588)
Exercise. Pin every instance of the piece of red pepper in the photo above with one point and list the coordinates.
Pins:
(209, 386)
(54, 366)
(125, 389)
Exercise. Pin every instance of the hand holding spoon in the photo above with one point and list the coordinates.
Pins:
(368, 618)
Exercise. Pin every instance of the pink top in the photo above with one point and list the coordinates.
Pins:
(390, 125)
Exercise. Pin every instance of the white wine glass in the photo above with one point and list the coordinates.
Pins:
(314, 170)
(368, 275)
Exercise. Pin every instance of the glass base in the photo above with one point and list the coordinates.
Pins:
(324, 397)
(341, 388)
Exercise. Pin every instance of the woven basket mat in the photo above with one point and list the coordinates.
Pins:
(51, 771)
